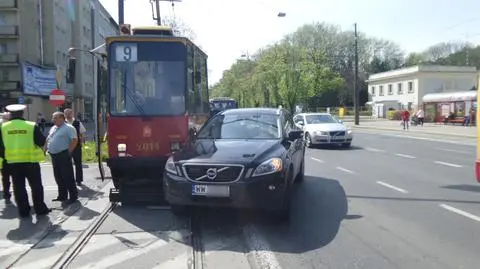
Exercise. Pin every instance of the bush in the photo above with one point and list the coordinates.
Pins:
(394, 115)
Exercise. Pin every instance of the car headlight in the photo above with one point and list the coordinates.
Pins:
(349, 131)
(170, 166)
(320, 133)
(268, 167)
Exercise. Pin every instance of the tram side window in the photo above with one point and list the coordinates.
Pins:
(190, 79)
(201, 91)
(204, 83)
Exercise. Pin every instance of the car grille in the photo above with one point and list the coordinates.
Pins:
(225, 173)
(337, 133)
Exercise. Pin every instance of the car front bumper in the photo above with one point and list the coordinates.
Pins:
(263, 192)
(329, 139)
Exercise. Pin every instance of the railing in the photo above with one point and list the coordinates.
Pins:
(8, 30)
(9, 85)
(8, 58)
(6, 4)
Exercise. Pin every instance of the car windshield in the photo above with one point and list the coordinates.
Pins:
(217, 105)
(320, 118)
(241, 126)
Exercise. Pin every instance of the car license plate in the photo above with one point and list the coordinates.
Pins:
(211, 190)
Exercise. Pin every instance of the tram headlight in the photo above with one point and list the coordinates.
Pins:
(122, 150)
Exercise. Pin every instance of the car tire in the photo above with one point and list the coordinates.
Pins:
(179, 210)
(308, 140)
(347, 145)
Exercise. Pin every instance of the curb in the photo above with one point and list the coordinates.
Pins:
(423, 132)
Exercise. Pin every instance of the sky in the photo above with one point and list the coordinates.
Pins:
(226, 29)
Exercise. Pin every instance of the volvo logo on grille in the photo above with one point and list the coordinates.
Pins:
(211, 173)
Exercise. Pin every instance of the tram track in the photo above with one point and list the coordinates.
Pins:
(77, 247)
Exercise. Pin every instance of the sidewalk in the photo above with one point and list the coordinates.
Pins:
(427, 128)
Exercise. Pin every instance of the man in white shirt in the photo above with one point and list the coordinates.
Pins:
(421, 116)
(77, 152)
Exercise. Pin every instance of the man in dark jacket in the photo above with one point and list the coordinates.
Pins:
(77, 152)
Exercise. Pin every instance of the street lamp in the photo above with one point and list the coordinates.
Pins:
(95, 53)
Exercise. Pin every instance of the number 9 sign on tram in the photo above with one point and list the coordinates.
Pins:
(126, 52)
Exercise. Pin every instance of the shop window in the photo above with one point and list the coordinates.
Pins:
(459, 109)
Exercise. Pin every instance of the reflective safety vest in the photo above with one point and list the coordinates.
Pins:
(17, 138)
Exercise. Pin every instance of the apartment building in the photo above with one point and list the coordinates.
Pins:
(35, 36)
(406, 87)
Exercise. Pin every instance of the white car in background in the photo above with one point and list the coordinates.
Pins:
(323, 129)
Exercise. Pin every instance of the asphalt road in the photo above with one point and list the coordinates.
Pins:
(388, 202)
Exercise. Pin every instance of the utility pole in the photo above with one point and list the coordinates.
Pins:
(121, 12)
(159, 19)
(356, 90)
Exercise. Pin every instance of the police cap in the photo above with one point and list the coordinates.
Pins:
(16, 107)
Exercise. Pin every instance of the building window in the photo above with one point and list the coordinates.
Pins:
(373, 91)
(410, 86)
(3, 48)
(390, 89)
(399, 88)
(380, 92)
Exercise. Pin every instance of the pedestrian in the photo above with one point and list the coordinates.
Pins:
(4, 168)
(405, 118)
(21, 145)
(61, 141)
(421, 116)
(77, 152)
(41, 121)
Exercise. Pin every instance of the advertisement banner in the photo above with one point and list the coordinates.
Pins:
(37, 80)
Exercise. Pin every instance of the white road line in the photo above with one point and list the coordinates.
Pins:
(317, 160)
(456, 151)
(125, 255)
(392, 187)
(258, 245)
(405, 156)
(345, 170)
(448, 164)
(460, 212)
(375, 150)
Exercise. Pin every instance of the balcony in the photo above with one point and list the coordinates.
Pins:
(8, 4)
(8, 31)
(8, 59)
(10, 86)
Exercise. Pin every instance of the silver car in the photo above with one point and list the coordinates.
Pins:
(323, 129)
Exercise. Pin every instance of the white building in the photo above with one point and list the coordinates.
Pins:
(405, 88)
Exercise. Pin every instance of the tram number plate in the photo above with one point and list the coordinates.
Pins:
(211, 190)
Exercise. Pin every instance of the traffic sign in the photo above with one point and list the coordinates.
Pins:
(21, 99)
(57, 97)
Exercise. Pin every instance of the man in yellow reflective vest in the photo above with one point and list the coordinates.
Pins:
(21, 144)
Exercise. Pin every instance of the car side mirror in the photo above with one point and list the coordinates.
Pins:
(294, 135)
(300, 122)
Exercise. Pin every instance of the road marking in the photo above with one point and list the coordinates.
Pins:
(317, 160)
(405, 156)
(392, 187)
(126, 255)
(375, 150)
(258, 245)
(345, 170)
(460, 212)
(456, 151)
(432, 139)
(448, 164)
